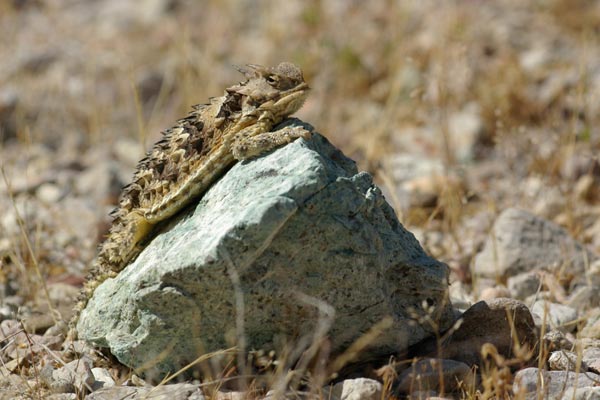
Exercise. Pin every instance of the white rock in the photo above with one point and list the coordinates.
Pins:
(557, 316)
(103, 379)
(356, 389)
(49, 193)
(563, 360)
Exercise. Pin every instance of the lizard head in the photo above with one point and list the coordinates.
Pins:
(277, 91)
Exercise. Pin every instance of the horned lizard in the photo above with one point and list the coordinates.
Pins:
(193, 154)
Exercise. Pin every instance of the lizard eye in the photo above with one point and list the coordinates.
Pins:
(271, 79)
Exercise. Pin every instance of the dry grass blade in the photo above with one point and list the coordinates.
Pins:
(36, 267)
(204, 357)
(240, 313)
(503, 94)
(359, 345)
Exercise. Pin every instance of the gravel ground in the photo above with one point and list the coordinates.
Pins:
(461, 110)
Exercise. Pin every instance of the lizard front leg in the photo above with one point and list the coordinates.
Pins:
(247, 143)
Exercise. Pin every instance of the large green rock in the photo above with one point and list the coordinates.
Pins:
(300, 221)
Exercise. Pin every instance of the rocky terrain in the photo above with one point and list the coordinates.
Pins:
(478, 121)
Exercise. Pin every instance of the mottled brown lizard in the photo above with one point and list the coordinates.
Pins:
(193, 154)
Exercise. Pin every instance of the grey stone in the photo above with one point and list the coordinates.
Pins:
(523, 285)
(355, 389)
(521, 242)
(556, 383)
(584, 297)
(558, 316)
(406, 167)
(75, 376)
(99, 180)
(586, 393)
(591, 329)
(415, 178)
(459, 296)
(424, 375)
(563, 360)
(58, 329)
(180, 391)
(591, 357)
(102, 378)
(556, 340)
(62, 396)
(63, 296)
(299, 220)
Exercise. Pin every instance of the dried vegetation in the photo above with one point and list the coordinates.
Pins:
(498, 101)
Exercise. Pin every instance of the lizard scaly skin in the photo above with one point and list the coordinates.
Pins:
(193, 154)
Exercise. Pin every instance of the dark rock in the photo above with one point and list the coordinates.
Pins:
(485, 322)
(434, 374)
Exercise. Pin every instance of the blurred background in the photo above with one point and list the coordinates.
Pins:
(459, 109)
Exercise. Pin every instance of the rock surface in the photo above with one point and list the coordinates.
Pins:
(72, 128)
(299, 221)
(559, 316)
(591, 357)
(521, 242)
(497, 321)
(585, 393)
(431, 374)
(181, 391)
(355, 389)
(563, 360)
(523, 285)
(557, 384)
